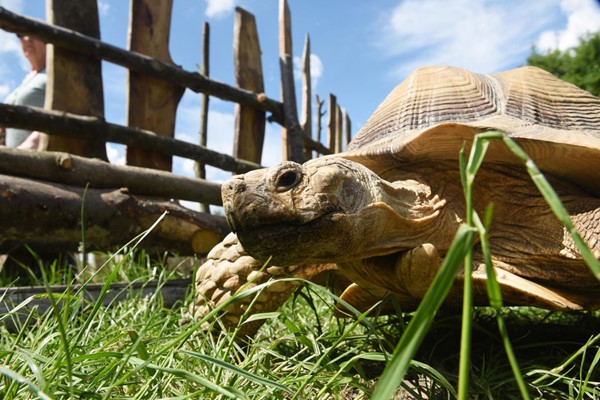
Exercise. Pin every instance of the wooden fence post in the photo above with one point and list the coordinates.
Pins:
(306, 121)
(151, 103)
(200, 168)
(347, 127)
(292, 137)
(338, 129)
(74, 80)
(332, 122)
(285, 48)
(249, 122)
(320, 114)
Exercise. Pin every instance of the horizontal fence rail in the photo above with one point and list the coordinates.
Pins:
(75, 41)
(66, 124)
(82, 44)
(73, 170)
(123, 200)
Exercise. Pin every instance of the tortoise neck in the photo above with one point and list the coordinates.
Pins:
(430, 200)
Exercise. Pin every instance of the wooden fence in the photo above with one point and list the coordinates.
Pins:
(69, 194)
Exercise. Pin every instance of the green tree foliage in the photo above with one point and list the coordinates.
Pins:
(579, 65)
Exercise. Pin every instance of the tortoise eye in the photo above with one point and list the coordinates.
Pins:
(287, 181)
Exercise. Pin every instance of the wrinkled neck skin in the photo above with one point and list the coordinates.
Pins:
(396, 216)
(333, 210)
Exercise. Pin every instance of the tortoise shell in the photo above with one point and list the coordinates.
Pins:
(436, 110)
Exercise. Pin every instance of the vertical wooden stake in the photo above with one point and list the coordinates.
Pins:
(332, 122)
(74, 80)
(285, 49)
(249, 122)
(151, 103)
(347, 127)
(295, 135)
(320, 114)
(200, 168)
(338, 129)
(306, 121)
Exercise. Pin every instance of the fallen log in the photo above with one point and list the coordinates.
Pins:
(56, 217)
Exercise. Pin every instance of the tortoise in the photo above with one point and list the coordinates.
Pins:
(383, 213)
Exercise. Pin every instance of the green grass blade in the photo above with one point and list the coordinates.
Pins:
(66, 344)
(590, 371)
(180, 373)
(480, 146)
(419, 325)
(439, 378)
(238, 370)
(570, 360)
(9, 373)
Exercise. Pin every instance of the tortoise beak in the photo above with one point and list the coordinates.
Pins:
(229, 190)
(244, 200)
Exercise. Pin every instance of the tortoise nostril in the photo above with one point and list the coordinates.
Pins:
(240, 188)
(287, 181)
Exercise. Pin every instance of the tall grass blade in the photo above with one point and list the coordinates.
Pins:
(9, 373)
(419, 325)
(468, 175)
(480, 146)
(591, 369)
(238, 370)
(141, 364)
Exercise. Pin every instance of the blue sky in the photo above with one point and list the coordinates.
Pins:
(362, 49)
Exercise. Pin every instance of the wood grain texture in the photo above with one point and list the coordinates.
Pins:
(249, 122)
(151, 102)
(48, 217)
(74, 80)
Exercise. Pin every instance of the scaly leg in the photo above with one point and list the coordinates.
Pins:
(229, 268)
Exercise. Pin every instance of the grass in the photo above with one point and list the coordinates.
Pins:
(137, 349)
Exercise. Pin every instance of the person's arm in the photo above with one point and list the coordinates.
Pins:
(32, 142)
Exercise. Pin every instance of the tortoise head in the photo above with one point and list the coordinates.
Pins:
(327, 210)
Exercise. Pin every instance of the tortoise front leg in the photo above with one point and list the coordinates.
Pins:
(415, 270)
(229, 269)
(406, 276)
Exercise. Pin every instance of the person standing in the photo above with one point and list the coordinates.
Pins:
(31, 92)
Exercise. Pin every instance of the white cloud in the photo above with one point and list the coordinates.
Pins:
(583, 16)
(103, 7)
(316, 66)
(9, 43)
(115, 153)
(4, 90)
(12, 5)
(483, 36)
(219, 8)
(316, 70)
(12, 60)
(183, 166)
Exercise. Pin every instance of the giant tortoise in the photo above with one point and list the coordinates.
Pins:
(383, 213)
